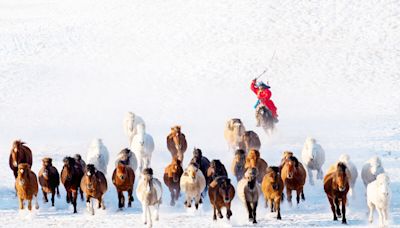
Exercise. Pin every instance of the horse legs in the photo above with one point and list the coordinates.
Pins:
(214, 212)
(380, 213)
(172, 203)
(278, 207)
(320, 174)
(298, 192)
(121, 200)
(81, 191)
(254, 212)
(30, 204)
(21, 203)
(386, 214)
(178, 192)
(332, 208)
(130, 198)
(197, 201)
(249, 210)
(228, 210)
(145, 214)
(150, 219)
(156, 210)
(220, 213)
(69, 196)
(310, 175)
(73, 199)
(36, 202)
(289, 196)
(44, 196)
(58, 192)
(371, 207)
(103, 206)
(53, 193)
(271, 205)
(303, 198)
(344, 201)
(337, 204)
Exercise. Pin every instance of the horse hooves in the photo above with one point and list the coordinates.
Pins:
(220, 216)
(201, 200)
(197, 206)
(279, 218)
(214, 217)
(344, 222)
(254, 221)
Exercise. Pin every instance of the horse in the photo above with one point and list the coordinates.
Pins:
(249, 191)
(130, 123)
(253, 160)
(336, 186)
(20, 153)
(313, 157)
(176, 142)
(345, 158)
(94, 184)
(71, 175)
(149, 193)
(126, 157)
(378, 196)
(371, 169)
(294, 177)
(215, 170)
(250, 140)
(272, 187)
(78, 159)
(201, 161)
(172, 178)
(143, 146)
(234, 129)
(265, 118)
(26, 186)
(221, 193)
(98, 155)
(123, 179)
(238, 164)
(192, 183)
(49, 179)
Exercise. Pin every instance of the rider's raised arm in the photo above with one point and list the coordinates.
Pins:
(253, 86)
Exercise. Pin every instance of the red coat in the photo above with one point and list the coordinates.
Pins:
(264, 97)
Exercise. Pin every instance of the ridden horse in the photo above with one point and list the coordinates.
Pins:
(71, 175)
(272, 187)
(149, 193)
(176, 143)
(172, 177)
(336, 186)
(26, 186)
(123, 178)
(221, 193)
(253, 160)
(264, 117)
(94, 184)
(294, 177)
(19, 154)
(249, 191)
(49, 179)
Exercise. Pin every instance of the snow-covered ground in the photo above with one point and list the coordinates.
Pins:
(69, 70)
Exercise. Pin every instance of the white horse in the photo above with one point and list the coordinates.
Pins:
(130, 125)
(234, 129)
(313, 157)
(98, 155)
(127, 157)
(372, 168)
(149, 193)
(378, 196)
(143, 146)
(353, 171)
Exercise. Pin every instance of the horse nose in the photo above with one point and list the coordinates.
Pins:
(275, 187)
(122, 177)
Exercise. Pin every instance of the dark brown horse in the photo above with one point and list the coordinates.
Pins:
(94, 184)
(49, 179)
(172, 178)
(294, 177)
(123, 178)
(71, 175)
(221, 193)
(250, 140)
(176, 142)
(19, 154)
(216, 169)
(336, 186)
(200, 161)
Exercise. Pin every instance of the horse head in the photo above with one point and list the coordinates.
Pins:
(174, 170)
(292, 164)
(340, 177)
(16, 151)
(251, 177)
(147, 176)
(90, 177)
(121, 171)
(273, 175)
(224, 187)
(46, 163)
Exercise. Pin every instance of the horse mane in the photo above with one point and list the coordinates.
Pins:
(239, 152)
(341, 167)
(294, 159)
(90, 168)
(148, 171)
(273, 169)
(69, 160)
(197, 153)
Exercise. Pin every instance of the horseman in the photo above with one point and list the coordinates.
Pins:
(263, 94)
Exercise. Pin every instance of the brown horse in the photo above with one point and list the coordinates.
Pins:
(336, 186)
(272, 187)
(176, 142)
(253, 160)
(26, 186)
(71, 175)
(123, 178)
(172, 178)
(94, 184)
(250, 140)
(216, 169)
(19, 154)
(221, 193)
(49, 179)
(238, 164)
(294, 177)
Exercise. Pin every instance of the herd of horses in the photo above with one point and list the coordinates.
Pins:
(255, 178)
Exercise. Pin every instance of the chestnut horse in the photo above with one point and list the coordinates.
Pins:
(176, 142)
(221, 193)
(272, 187)
(19, 154)
(172, 178)
(253, 160)
(94, 184)
(123, 178)
(294, 177)
(336, 186)
(71, 175)
(26, 185)
(49, 179)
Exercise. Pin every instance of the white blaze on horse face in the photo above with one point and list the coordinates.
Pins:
(21, 171)
(15, 149)
(15, 164)
(88, 173)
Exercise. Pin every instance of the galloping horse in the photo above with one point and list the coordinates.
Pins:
(19, 154)
(176, 142)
